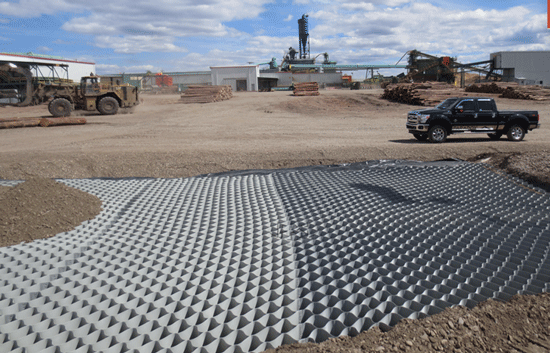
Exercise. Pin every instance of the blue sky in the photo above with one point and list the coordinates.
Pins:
(169, 35)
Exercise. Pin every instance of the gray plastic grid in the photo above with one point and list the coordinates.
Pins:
(205, 264)
(178, 265)
(401, 241)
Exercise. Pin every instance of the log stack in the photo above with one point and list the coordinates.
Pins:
(306, 89)
(485, 88)
(511, 90)
(536, 93)
(206, 94)
(428, 94)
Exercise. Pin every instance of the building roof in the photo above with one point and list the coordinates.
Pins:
(43, 57)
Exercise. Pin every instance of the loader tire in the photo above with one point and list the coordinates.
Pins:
(60, 107)
(107, 106)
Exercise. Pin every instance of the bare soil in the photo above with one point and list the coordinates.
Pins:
(162, 138)
(41, 208)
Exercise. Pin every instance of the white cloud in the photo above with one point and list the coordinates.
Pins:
(162, 21)
(289, 18)
(138, 44)
(43, 49)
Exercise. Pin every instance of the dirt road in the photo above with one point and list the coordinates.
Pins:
(161, 138)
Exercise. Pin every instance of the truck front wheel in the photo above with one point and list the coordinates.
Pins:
(437, 134)
(516, 133)
(60, 107)
(108, 106)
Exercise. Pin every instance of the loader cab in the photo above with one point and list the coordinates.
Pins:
(90, 85)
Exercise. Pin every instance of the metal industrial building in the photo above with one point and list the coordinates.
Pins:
(250, 78)
(524, 67)
(240, 78)
(45, 66)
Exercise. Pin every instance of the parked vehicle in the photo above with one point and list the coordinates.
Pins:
(470, 115)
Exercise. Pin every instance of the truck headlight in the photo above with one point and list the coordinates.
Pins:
(423, 118)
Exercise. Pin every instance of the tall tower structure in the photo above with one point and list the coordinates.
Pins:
(304, 37)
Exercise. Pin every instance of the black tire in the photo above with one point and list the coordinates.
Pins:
(495, 136)
(107, 106)
(516, 133)
(420, 137)
(60, 107)
(437, 134)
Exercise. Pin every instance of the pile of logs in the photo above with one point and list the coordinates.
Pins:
(206, 94)
(306, 89)
(431, 93)
(428, 94)
(512, 90)
(7, 123)
(485, 88)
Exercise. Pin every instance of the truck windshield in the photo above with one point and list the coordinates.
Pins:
(446, 103)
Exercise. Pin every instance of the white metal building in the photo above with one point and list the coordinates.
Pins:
(240, 78)
(49, 66)
(525, 67)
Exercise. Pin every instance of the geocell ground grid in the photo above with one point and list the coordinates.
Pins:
(246, 261)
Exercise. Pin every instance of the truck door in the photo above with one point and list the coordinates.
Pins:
(464, 116)
(487, 115)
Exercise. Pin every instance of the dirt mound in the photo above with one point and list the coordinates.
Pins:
(332, 104)
(40, 208)
(533, 167)
(520, 325)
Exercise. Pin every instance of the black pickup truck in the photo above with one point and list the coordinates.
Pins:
(472, 115)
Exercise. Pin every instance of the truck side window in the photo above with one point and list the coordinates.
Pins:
(466, 106)
(485, 105)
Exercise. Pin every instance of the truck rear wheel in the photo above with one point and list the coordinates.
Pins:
(516, 133)
(107, 106)
(60, 107)
(437, 134)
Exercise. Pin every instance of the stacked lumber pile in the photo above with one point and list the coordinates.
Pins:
(206, 94)
(8, 123)
(306, 89)
(428, 94)
(512, 90)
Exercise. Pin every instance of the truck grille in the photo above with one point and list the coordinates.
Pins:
(412, 119)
